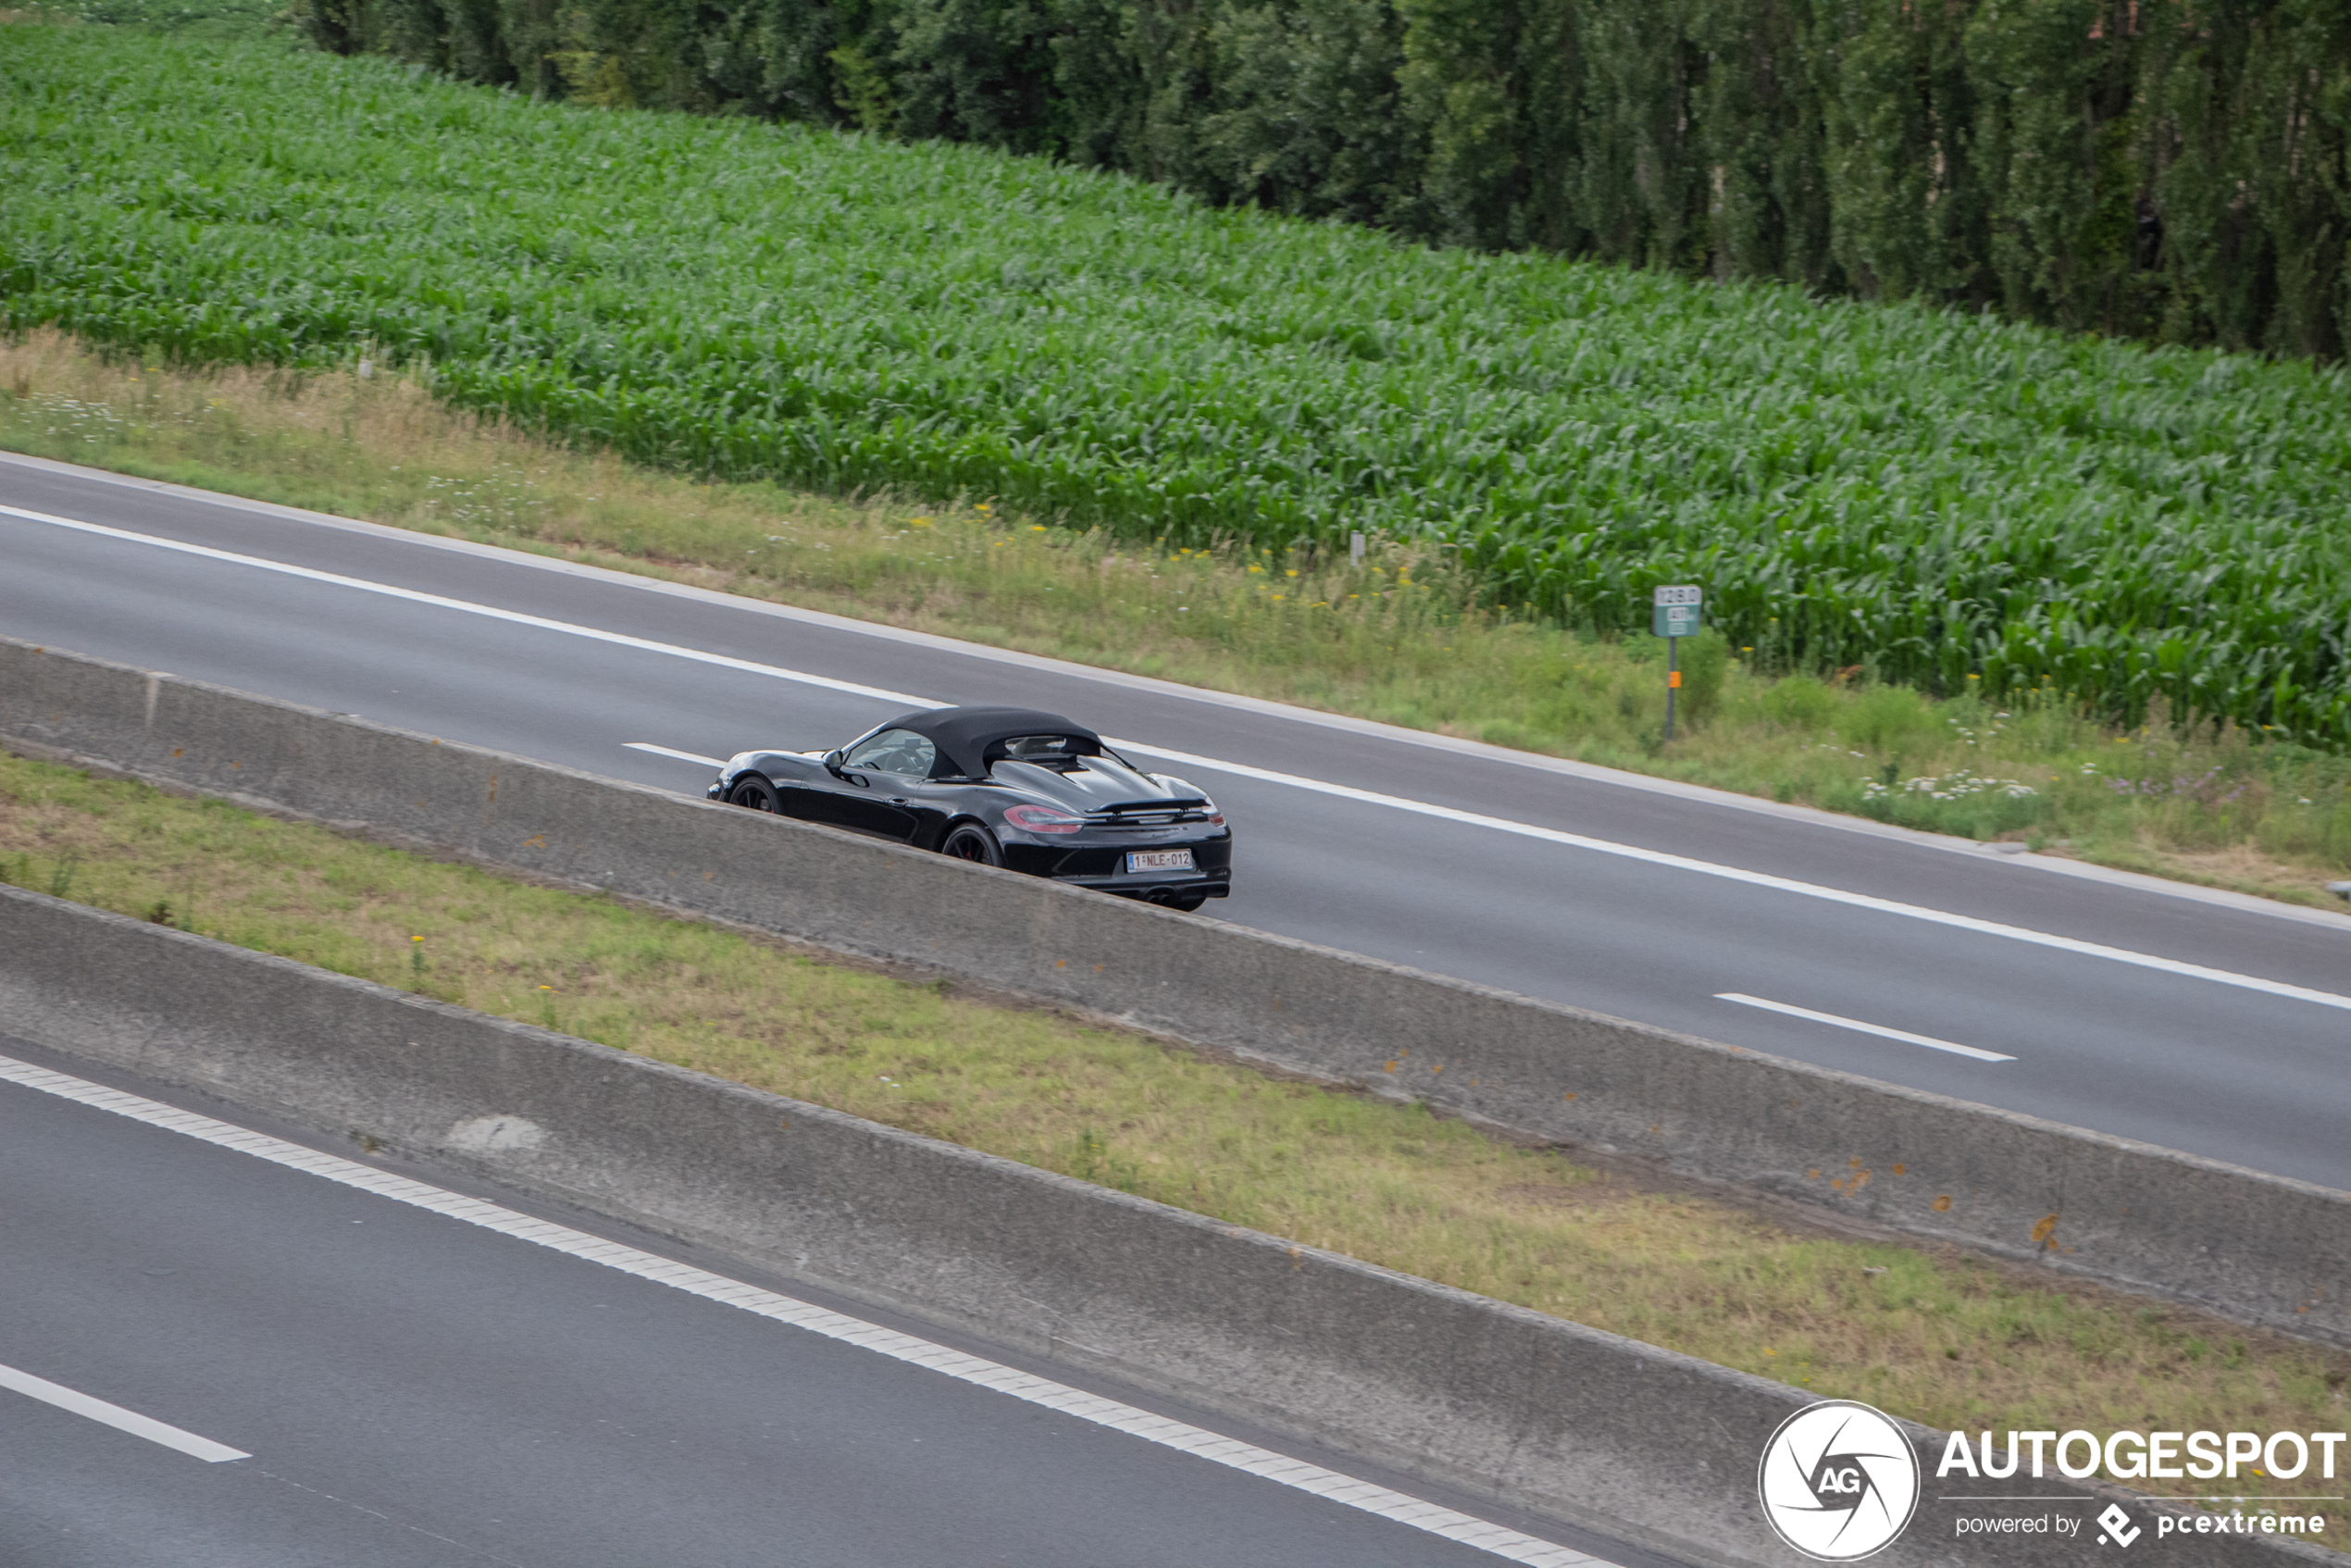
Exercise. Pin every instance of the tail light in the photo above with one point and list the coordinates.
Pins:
(1043, 819)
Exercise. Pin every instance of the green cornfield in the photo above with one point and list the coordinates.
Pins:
(1928, 495)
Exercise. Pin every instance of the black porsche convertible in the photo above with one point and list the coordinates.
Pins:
(1012, 787)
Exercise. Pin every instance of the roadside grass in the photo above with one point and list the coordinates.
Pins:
(1404, 639)
(1935, 1334)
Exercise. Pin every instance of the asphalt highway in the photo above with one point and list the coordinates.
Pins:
(2205, 1024)
(208, 1360)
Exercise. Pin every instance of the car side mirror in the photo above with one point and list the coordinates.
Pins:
(832, 763)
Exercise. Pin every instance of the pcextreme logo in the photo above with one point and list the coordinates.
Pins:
(1839, 1481)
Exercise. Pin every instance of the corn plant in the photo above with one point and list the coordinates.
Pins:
(1928, 495)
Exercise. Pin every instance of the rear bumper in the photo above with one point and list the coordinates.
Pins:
(1103, 867)
(1157, 887)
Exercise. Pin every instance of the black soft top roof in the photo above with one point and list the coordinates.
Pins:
(964, 735)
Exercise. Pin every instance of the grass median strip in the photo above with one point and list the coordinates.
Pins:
(1401, 639)
(1942, 1338)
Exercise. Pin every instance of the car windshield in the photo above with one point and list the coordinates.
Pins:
(894, 750)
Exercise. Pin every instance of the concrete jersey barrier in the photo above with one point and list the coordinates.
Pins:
(2258, 1248)
(1649, 1445)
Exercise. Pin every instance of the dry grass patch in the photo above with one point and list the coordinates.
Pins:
(1939, 1337)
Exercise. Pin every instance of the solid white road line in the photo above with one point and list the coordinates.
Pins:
(465, 606)
(122, 1420)
(1903, 1035)
(1757, 878)
(1328, 1484)
(669, 751)
(1342, 792)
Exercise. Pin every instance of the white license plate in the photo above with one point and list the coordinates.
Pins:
(1159, 860)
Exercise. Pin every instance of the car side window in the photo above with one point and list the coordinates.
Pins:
(895, 751)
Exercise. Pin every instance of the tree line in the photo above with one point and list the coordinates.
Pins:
(2157, 168)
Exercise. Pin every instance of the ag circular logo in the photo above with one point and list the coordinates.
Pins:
(1839, 1481)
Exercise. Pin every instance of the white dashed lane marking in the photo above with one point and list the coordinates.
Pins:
(671, 752)
(121, 1420)
(1903, 1035)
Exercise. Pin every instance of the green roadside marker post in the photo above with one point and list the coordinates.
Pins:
(1674, 614)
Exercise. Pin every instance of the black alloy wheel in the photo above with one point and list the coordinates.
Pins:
(756, 793)
(973, 842)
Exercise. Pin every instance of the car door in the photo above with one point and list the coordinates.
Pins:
(876, 789)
